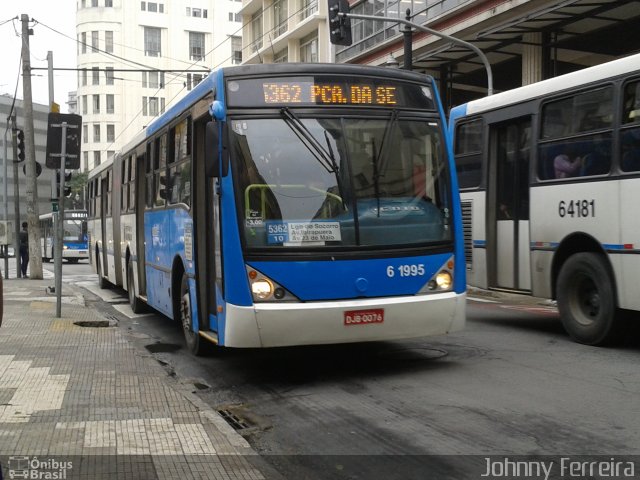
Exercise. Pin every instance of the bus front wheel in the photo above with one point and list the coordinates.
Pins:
(586, 299)
(194, 343)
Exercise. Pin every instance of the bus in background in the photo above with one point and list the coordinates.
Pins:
(75, 245)
(288, 204)
(550, 182)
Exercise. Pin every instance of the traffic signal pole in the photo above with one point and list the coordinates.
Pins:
(336, 10)
(57, 256)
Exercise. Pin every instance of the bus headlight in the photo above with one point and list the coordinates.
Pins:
(444, 280)
(262, 289)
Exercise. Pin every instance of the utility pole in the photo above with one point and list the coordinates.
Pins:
(16, 196)
(6, 198)
(35, 255)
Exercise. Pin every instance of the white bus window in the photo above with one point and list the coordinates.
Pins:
(630, 134)
(468, 153)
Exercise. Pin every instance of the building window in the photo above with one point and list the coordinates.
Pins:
(85, 107)
(108, 41)
(143, 6)
(108, 3)
(309, 48)
(111, 133)
(110, 103)
(96, 103)
(152, 42)
(85, 158)
(85, 133)
(96, 158)
(144, 79)
(281, 56)
(84, 78)
(83, 40)
(196, 12)
(95, 76)
(280, 17)
(236, 50)
(309, 7)
(152, 7)
(256, 31)
(94, 3)
(196, 46)
(96, 132)
(94, 41)
(108, 74)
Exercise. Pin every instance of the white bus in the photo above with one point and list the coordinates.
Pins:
(74, 242)
(549, 176)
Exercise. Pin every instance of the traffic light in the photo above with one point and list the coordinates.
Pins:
(339, 26)
(67, 186)
(20, 138)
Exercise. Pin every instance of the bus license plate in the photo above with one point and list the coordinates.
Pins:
(364, 317)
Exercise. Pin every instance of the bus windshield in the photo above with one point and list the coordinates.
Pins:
(75, 231)
(341, 182)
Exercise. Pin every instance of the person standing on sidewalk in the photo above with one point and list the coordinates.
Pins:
(24, 249)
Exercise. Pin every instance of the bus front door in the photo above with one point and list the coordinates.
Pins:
(508, 205)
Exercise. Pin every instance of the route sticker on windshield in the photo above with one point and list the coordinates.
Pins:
(303, 232)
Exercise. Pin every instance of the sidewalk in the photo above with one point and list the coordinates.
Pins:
(82, 402)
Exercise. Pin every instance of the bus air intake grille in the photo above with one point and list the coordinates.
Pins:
(467, 230)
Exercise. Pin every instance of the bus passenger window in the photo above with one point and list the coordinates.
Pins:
(630, 135)
(468, 153)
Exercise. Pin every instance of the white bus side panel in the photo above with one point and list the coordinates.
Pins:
(111, 262)
(629, 276)
(524, 255)
(560, 210)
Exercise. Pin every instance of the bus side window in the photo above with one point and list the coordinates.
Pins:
(468, 153)
(630, 134)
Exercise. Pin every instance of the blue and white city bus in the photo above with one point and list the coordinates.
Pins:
(288, 204)
(75, 246)
(549, 176)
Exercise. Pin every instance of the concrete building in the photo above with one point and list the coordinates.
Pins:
(7, 205)
(136, 58)
(524, 40)
(285, 31)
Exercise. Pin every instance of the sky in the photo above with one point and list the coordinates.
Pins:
(45, 16)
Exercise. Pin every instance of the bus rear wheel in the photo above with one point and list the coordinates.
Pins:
(195, 344)
(586, 299)
(134, 301)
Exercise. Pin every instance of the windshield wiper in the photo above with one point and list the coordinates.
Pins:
(383, 159)
(326, 159)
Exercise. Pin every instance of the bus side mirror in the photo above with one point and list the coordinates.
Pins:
(211, 154)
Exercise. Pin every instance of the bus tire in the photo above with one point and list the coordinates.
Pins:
(102, 282)
(195, 344)
(72, 260)
(586, 299)
(134, 301)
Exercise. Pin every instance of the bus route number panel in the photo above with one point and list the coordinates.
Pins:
(336, 91)
(295, 233)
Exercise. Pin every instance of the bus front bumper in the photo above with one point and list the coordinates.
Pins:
(362, 320)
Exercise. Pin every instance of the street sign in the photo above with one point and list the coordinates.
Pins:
(54, 206)
(73, 124)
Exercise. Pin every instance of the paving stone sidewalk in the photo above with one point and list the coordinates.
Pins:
(84, 403)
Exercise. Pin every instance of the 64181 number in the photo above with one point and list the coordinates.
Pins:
(577, 208)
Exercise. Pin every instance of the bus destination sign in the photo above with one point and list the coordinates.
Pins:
(334, 91)
(328, 93)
